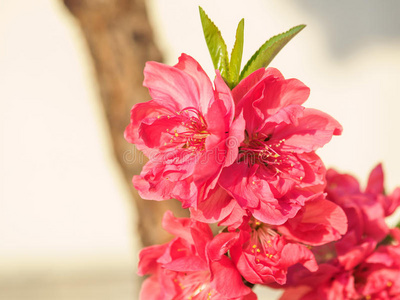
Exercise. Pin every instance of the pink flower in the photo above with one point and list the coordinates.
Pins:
(328, 283)
(191, 266)
(318, 222)
(187, 131)
(365, 263)
(263, 256)
(380, 274)
(263, 253)
(277, 169)
(377, 277)
(375, 188)
(220, 207)
(366, 210)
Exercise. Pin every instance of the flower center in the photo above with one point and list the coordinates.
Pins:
(267, 152)
(194, 285)
(262, 241)
(260, 150)
(191, 129)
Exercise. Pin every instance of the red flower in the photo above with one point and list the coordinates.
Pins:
(186, 130)
(276, 168)
(318, 222)
(263, 256)
(376, 189)
(366, 210)
(263, 253)
(191, 266)
(365, 263)
(377, 277)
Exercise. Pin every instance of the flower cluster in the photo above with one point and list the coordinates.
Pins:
(229, 154)
(240, 152)
(365, 262)
(244, 158)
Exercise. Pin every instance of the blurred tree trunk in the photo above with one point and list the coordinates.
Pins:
(120, 39)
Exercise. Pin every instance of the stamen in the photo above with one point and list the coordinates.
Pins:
(265, 151)
(195, 131)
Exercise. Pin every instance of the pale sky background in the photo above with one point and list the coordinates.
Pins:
(63, 208)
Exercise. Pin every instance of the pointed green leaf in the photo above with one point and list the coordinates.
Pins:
(216, 44)
(236, 56)
(266, 53)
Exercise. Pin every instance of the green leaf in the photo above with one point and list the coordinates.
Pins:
(216, 44)
(266, 53)
(236, 56)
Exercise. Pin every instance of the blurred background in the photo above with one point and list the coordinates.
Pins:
(67, 218)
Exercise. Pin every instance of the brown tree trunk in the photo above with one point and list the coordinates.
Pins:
(120, 39)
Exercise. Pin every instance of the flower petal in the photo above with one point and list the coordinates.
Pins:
(187, 264)
(151, 289)
(217, 206)
(223, 269)
(190, 66)
(320, 221)
(148, 259)
(237, 179)
(178, 227)
(375, 181)
(147, 113)
(313, 131)
(176, 89)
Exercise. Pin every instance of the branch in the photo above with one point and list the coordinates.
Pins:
(120, 40)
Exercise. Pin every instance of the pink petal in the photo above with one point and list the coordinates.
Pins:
(294, 92)
(143, 112)
(216, 207)
(313, 131)
(375, 181)
(246, 84)
(223, 269)
(270, 95)
(235, 138)
(148, 259)
(156, 134)
(151, 289)
(175, 249)
(223, 93)
(220, 244)
(202, 235)
(187, 264)
(246, 268)
(176, 89)
(275, 212)
(295, 253)
(243, 184)
(179, 227)
(314, 171)
(190, 66)
(341, 184)
(166, 176)
(278, 92)
(221, 145)
(320, 221)
(392, 202)
(157, 190)
(289, 115)
(235, 218)
(351, 252)
(248, 106)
